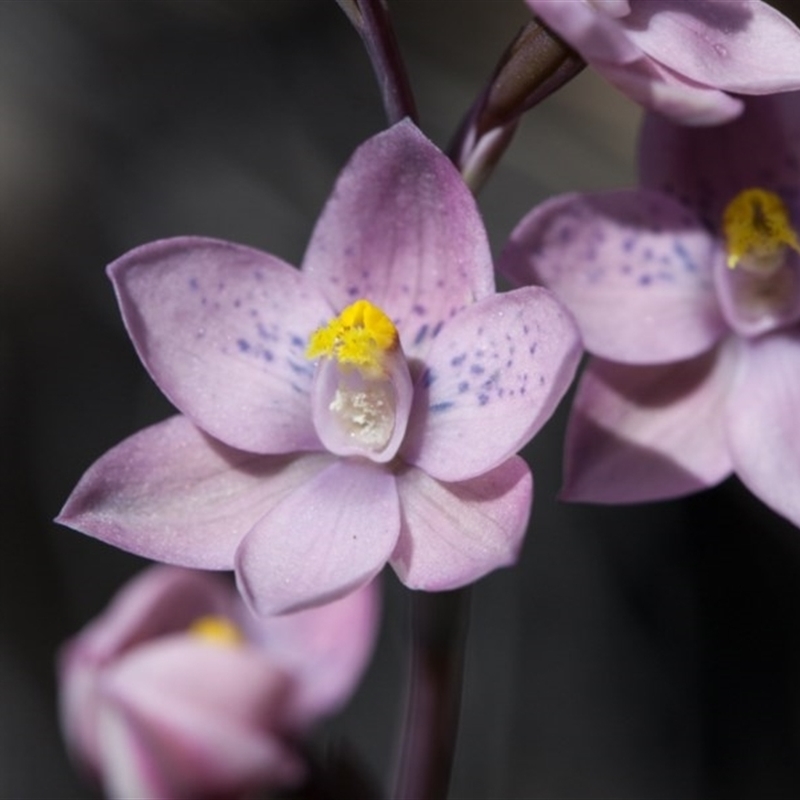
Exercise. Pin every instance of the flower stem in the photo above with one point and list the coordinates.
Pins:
(372, 21)
(536, 64)
(439, 624)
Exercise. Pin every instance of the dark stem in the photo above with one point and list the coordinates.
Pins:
(439, 624)
(372, 21)
(536, 64)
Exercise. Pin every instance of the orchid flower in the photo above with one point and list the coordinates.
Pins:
(682, 58)
(687, 291)
(176, 690)
(363, 409)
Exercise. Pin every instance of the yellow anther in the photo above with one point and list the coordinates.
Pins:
(359, 337)
(757, 231)
(216, 630)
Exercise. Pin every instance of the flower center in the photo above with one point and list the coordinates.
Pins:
(362, 388)
(217, 630)
(758, 232)
(359, 337)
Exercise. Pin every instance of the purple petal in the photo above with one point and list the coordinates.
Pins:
(325, 650)
(736, 45)
(640, 433)
(173, 494)
(762, 421)
(185, 718)
(455, 533)
(223, 330)
(634, 267)
(659, 89)
(494, 377)
(590, 28)
(332, 535)
(402, 230)
(704, 168)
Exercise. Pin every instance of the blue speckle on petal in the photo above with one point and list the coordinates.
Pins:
(683, 254)
(457, 361)
(420, 334)
(299, 369)
(243, 345)
(463, 387)
(443, 406)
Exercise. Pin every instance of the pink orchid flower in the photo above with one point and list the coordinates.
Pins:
(363, 409)
(177, 691)
(682, 57)
(687, 291)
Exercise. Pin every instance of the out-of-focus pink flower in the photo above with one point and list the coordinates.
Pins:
(682, 57)
(398, 446)
(687, 291)
(177, 691)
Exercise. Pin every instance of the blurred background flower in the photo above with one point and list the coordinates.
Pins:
(175, 690)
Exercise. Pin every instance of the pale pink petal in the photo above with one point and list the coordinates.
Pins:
(78, 707)
(669, 94)
(591, 28)
(188, 718)
(402, 230)
(455, 533)
(171, 493)
(763, 421)
(494, 376)
(223, 330)
(330, 536)
(614, 8)
(324, 649)
(634, 267)
(640, 433)
(705, 168)
(736, 45)
(600, 32)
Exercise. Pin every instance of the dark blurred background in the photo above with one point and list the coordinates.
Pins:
(640, 652)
